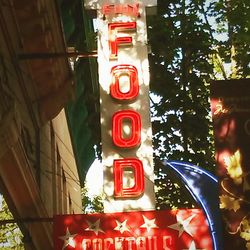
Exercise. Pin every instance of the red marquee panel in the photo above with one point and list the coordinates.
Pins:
(184, 229)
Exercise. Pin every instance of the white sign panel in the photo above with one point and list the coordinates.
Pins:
(125, 112)
(98, 4)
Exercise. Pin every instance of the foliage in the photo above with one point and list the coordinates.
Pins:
(180, 72)
(229, 203)
(245, 230)
(232, 20)
(10, 235)
(236, 204)
(91, 205)
(170, 191)
(234, 167)
(193, 42)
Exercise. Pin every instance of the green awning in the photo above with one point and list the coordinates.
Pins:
(80, 111)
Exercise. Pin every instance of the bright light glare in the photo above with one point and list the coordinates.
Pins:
(124, 83)
(71, 242)
(94, 179)
(128, 179)
(126, 131)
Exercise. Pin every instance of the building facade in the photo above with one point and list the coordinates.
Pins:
(39, 170)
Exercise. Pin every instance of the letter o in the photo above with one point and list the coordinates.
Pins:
(117, 128)
(132, 73)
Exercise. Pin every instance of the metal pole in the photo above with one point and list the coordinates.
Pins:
(25, 220)
(49, 55)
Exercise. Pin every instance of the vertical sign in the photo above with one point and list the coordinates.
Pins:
(124, 99)
(127, 149)
(230, 101)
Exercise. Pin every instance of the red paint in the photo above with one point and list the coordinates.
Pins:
(119, 119)
(132, 73)
(127, 9)
(115, 41)
(124, 117)
(122, 165)
(128, 231)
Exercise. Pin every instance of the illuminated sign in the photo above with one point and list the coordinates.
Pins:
(127, 9)
(117, 73)
(136, 166)
(127, 154)
(204, 188)
(230, 106)
(115, 40)
(127, 150)
(135, 129)
(147, 230)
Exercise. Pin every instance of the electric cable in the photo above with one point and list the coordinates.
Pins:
(69, 175)
(49, 143)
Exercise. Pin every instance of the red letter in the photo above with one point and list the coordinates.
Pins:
(132, 73)
(167, 242)
(132, 192)
(114, 41)
(108, 9)
(135, 128)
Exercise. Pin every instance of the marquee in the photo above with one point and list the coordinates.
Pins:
(130, 221)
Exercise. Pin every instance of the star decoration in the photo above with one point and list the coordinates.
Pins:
(95, 227)
(193, 247)
(149, 224)
(121, 226)
(68, 239)
(182, 225)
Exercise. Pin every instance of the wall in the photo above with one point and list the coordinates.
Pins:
(38, 175)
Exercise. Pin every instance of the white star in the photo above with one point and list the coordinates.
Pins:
(148, 223)
(121, 226)
(95, 227)
(182, 225)
(193, 247)
(68, 239)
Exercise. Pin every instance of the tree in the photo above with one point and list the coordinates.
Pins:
(10, 235)
(91, 204)
(192, 42)
(232, 22)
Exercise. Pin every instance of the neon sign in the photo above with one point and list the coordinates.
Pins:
(117, 125)
(138, 188)
(115, 40)
(125, 111)
(116, 73)
(127, 150)
(119, 118)
(114, 9)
